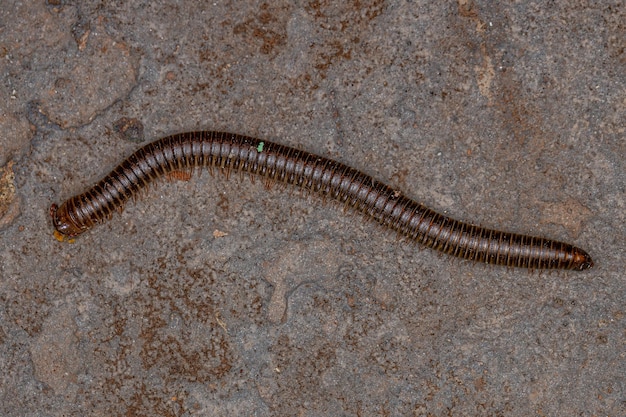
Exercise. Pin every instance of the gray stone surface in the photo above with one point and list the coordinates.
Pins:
(512, 116)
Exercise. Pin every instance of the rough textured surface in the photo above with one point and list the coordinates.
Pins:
(221, 297)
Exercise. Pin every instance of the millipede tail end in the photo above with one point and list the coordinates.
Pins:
(581, 260)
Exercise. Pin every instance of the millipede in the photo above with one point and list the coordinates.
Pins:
(316, 174)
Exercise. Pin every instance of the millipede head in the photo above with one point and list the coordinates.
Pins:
(63, 221)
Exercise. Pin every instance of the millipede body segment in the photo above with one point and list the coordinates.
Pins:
(316, 174)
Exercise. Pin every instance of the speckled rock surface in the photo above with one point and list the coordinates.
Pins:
(222, 297)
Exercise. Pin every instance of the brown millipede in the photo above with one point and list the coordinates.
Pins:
(389, 207)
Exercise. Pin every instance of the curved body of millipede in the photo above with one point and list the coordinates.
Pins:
(389, 207)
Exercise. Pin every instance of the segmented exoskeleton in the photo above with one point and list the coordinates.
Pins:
(317, 174)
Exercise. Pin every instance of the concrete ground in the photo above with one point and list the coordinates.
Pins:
(221, 297)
